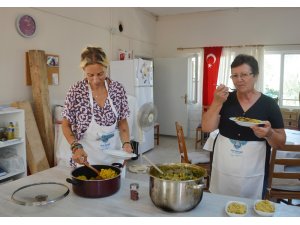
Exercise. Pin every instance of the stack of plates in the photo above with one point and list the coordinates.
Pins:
(120, 154)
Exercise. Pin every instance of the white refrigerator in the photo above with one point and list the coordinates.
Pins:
(136, 75)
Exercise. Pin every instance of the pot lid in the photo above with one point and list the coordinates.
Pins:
(40, 193)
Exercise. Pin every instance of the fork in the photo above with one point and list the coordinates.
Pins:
(232, 89)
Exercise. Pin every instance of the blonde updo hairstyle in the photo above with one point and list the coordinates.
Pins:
(93, 55)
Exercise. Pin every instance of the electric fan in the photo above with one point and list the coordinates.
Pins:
(147, 116)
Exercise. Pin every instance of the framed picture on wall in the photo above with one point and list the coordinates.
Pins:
(52, 60)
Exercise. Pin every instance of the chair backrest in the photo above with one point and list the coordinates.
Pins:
(284, 161)
(181, 143)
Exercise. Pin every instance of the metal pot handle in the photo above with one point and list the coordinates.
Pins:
(196, 186)
(118, 165)
(74, 182)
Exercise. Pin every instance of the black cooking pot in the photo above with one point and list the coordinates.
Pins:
(95, 188)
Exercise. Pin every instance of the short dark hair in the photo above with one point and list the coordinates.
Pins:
(246, 59)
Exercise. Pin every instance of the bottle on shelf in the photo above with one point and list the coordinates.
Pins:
(16, 135)
(11, 131)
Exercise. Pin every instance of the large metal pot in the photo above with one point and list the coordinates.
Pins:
(95, 188)
(176, 195)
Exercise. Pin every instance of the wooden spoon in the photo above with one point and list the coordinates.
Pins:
(92, 168)
(149, 161)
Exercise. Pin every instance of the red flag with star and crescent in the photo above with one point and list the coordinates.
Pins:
(211, 65)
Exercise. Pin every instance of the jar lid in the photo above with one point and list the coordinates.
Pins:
(134, 186)
(40, 193)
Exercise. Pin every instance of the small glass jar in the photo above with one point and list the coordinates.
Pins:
(134, 194)
(3, 136)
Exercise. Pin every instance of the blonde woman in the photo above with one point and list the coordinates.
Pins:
(95, 112)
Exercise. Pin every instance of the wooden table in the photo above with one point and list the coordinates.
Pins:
(119, 204)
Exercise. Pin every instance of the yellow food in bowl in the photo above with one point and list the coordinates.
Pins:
(82, 177)
(107, 173)
(236, 208)
(103, 174)
(265, 206)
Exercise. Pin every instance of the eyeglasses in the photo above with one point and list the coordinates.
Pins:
(242, 76)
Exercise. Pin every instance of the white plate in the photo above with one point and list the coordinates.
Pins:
(236, 214)
(246, 124)
(120, 154)
(138, 168)
(261, 213)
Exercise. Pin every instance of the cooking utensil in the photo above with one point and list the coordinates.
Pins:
(149, 161)
(173, 195)
(92, 168)
(94, 188)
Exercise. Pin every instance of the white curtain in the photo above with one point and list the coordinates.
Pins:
(228, 55)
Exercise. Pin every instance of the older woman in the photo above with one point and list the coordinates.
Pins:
(241, 154)
(95, 112)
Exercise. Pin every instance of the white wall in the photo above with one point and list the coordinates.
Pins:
(232, 27)
(242, 26)
(65, 32)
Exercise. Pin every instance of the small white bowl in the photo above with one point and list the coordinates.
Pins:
(236, 214)
(261, 213)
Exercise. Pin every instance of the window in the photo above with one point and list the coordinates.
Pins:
(282, 76)
(194, 80)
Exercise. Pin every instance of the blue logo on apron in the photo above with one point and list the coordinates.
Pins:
(237, 145)
(105, 137)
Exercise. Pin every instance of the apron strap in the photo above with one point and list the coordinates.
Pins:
(91, 99)
(212, 152)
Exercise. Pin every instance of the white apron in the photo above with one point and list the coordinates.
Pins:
(238, 168)
(98, 139)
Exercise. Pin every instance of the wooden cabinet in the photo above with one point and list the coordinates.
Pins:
(14, 149)
(290, 118)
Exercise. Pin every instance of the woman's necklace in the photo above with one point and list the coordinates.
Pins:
(95, 95)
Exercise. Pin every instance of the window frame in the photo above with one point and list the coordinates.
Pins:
(282, 51)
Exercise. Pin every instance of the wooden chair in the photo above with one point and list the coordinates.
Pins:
(290, 189)
(202, 158)
(156, 133)
(203, 135)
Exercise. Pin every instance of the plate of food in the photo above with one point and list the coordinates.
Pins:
(120, 154)
(236, 208)
(264, 207)
(138, 168)
(246, 122)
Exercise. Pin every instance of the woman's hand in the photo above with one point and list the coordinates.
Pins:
(221, 94)
(127, 147)
(263, 132)
(79, 156)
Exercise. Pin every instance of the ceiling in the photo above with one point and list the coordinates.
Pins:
(167, 11)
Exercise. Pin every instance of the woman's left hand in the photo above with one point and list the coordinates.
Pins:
(127, 147)
(262, 132)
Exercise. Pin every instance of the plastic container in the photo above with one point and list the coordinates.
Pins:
(3, 135)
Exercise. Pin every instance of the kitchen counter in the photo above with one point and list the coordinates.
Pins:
(119, 204)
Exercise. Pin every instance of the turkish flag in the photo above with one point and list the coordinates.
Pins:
(211, 65)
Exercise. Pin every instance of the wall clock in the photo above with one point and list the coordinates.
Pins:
(26, 26)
